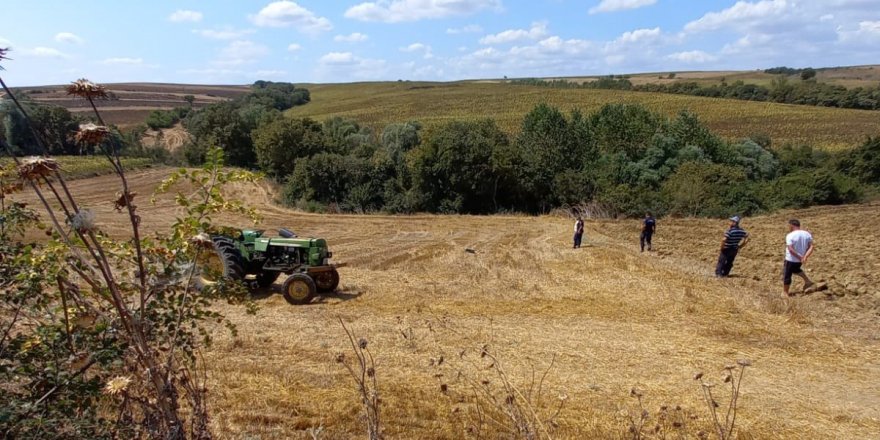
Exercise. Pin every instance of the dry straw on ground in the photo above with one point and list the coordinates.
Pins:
(612, 319)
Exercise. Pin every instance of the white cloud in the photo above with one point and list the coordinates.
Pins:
(469, 29)
(124, 61)
(241, 52)
(742, 13)
(293, 47)
(639, 35)
(346, 64)
(182, 15)
(692, 57)
(289, 14)
(355, 37)
(4, 43)
(337, 58)
(867, 32)
(46, 52)
(395, 11)
(620, 5)
(223, 34)
(69, 38)
(419, 47)
(537, 31)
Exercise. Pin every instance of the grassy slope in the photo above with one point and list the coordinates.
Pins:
(377, 104)
(612, 318)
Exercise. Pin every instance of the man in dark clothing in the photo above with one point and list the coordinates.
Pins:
(578, 232)
(649, 225)
(734, 239)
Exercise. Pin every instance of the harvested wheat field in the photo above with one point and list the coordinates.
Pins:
(606, 317)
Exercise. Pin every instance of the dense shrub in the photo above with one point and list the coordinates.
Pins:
(454, 170)
(708, 189)
(278, 144)
(158, 119)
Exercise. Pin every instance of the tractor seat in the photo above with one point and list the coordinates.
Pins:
(286, 233)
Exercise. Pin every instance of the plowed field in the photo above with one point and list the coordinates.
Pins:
(607, 316)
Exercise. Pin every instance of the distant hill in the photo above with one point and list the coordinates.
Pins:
(380, 103)
(130, 103)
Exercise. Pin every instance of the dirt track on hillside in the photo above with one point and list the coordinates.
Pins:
(611, 318)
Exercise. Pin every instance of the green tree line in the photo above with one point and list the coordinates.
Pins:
(624, 158)
(808, 91)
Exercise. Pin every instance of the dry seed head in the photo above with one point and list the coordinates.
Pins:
(3, 52)
(340, 358)
(123, 200)
(116, 385)
(371, 372)
(744, 362)
(698, 376)
(362, 343)
(92, 134)
(729, 367)
(34, 167)
(202, 239)
(83, 221)
(635, 392)
(86, 89)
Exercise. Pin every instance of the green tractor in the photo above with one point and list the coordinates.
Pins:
(247, 253)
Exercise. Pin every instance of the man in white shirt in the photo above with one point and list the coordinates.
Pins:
(798, 248)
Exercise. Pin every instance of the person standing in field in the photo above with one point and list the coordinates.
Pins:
(734, 239)
(578, 232)
(649, 225)
(798, 248)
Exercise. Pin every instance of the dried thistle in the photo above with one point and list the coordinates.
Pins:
(3, 52)
(92, 134)
(202, 240)
(744, 362)
(123, 200)
(116, 385)
(32, 168)
(635, 392)
(83, 221)
(698, 376)
(362, 343)
(86, 89)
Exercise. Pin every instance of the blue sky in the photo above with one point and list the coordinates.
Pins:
(239, 41)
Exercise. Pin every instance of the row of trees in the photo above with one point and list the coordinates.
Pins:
(781, 90)
(623, 158)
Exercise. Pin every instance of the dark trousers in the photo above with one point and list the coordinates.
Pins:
(645, 238)
(578, 236)
(725, 262)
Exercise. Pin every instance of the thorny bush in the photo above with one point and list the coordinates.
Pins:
(100, 335)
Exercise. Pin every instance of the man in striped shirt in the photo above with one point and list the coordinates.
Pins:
(734, 239)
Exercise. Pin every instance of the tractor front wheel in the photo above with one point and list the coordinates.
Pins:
(326, 281)
(299, 288)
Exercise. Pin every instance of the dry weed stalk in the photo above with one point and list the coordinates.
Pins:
(733, 376)
(498, 404)
(364, 374)
(668, 423)
(144, 300)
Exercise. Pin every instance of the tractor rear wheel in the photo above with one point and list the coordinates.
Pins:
(221, 261)
(299, 288)
(326, 281)
(267, 278)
